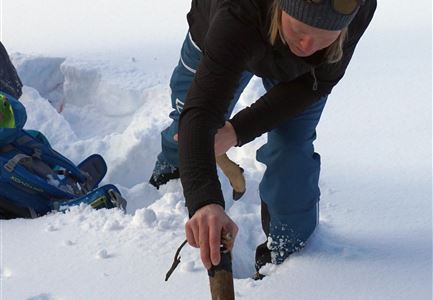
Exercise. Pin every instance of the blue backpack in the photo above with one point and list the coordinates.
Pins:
(35, 179)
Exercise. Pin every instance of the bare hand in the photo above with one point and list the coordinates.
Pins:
(225, 138)
(204, 231)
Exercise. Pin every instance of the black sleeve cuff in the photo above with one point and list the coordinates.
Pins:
(192, 210)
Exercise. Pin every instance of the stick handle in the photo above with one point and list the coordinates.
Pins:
(221, 278)
(234, 173)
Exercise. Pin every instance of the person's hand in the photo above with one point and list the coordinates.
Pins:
(225, 138)
(204, 231)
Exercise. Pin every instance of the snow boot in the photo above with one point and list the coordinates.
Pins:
(263, 257)
(163, 172)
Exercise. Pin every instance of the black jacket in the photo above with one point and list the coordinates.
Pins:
(233, 35)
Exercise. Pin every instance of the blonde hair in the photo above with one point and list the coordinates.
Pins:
(333, 53)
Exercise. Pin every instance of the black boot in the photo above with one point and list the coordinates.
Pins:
(263, 254)
(163, 172)
(263, 257)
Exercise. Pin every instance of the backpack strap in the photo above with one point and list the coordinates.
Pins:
(17, 159)
(31, 174)
(29, 145)
(38, 167)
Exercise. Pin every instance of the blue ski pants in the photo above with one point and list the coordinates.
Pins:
(289, 189)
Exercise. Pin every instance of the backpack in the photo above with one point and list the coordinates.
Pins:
(35, 179)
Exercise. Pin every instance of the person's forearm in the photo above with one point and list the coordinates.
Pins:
(203, 114)
(197, 160)
(278, 105)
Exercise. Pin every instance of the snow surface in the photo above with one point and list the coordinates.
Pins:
(106, 66)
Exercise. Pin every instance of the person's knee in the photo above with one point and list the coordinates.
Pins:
(291, 180)
(287, 158)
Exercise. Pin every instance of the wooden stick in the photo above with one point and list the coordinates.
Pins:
(234, 173)
(221, 278)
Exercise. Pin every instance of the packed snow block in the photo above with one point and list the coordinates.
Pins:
(43, 74)
(81, 84)
(85, 85)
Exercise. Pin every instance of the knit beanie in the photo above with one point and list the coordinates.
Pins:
(321, 15)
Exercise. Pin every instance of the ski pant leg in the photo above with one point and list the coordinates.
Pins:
(180, 83)
(289, 189)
